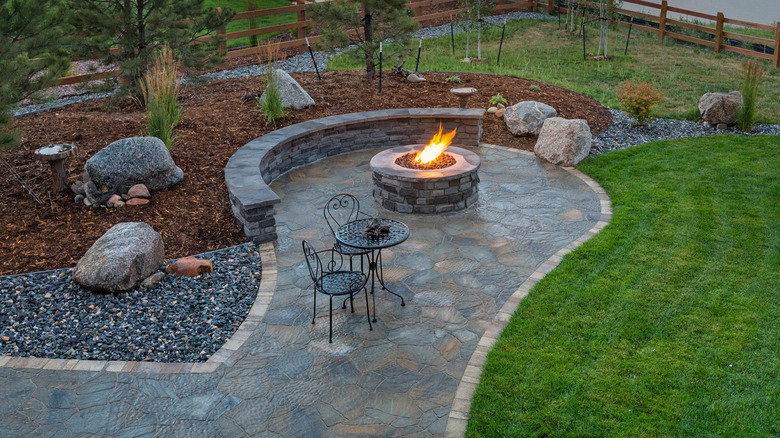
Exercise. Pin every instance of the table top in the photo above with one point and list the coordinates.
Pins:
(353, 234)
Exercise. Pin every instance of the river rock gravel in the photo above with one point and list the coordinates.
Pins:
(178, 319)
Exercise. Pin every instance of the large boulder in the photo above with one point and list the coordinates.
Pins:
(527, 117)
(293, 95)
(121, 258)
(718, 108)
(564, 142)
(130, 161)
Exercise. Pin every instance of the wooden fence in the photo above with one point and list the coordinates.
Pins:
(431, 10)
(716, 38)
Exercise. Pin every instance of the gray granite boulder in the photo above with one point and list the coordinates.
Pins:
(121, 258)
(293, 95)
(718, 108)
(564, 142)
(527, 117)
(130, 161)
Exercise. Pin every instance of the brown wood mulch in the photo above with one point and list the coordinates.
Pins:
(195, 216)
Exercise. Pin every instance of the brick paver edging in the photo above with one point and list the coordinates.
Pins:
(223, 355)
(461, 406)
(256, 164)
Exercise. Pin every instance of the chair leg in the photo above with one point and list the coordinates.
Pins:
(330, 336)
(368, 311)
(314, 311)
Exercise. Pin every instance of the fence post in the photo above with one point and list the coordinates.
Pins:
(719, 33)
(777, 46)
(534, 5)
(301, 19)
(221, 32)
(550, 6)
(662, 20)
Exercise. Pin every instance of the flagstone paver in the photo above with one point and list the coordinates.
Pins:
(458, 273)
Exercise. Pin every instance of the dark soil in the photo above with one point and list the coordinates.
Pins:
(195, 216)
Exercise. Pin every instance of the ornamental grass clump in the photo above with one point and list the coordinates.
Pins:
(752, 72)
(638, 99)
(160, 91)
(271, 104)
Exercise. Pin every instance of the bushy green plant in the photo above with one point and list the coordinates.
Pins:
(271, 105)
(454, 79)
(160, 90)
(534, 88)
(752, 72)
(638, 99)
(495, 100)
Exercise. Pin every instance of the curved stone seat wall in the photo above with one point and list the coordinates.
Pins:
(255, 165)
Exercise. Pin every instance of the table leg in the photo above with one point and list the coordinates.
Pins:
(381, 278)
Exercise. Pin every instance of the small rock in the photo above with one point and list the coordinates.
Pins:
(48, 295)
(5, 338)
(119, 204)
(79, 199)
(78, 187)
(126, 197)
(492, 110)
(138, 191)
(189, 267)
(91, 307)
(137, 201)
(501, 105)
(152, 279)
(87, 202)
(500, 112)
(722, 126)
(415, 78)
(114, 199)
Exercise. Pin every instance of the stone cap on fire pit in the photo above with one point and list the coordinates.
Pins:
(255, 165)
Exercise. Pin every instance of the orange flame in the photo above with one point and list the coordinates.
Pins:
(436, 147)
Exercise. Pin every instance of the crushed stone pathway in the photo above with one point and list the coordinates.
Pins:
(456, 271)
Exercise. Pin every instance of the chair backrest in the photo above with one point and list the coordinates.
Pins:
(341, 209)
(334, 261)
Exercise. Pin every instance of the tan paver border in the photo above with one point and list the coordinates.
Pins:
(461, 406)
(224, 355)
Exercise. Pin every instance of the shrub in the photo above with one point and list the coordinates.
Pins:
(752, 72)
(271, 106)
(495, 100)
(638, 100)
(160, 91)
(534, 88)
(454, 79)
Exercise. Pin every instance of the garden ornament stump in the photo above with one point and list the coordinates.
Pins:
(56, 155)
(463, 94)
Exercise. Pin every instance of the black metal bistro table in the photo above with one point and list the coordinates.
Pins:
(353, 234)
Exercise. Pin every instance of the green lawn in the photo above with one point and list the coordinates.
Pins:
(667, 322)
(538, 50)
(241, 5)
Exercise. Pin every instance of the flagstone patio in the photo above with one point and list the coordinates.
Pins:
(456, 271)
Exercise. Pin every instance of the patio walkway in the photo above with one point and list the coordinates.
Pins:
(456, 271)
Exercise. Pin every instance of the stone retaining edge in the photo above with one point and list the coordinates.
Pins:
(225, 354)
(461, 405)
(255, 165)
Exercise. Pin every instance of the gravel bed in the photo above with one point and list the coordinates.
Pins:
(179, 319)
(623, 133)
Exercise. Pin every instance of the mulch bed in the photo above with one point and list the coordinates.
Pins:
(195, 216)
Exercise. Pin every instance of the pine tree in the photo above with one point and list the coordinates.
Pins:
(380, 21)
(138, 28)
(30, 58)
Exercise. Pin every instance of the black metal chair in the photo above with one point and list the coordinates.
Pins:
(339, 210)
(330, 279)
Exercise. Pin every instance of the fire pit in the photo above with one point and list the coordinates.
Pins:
(424, 178)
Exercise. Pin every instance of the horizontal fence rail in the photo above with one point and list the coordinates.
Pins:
(428, 10)
(714, 37)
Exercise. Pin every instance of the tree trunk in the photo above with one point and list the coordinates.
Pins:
(479, 31)
(369, 38)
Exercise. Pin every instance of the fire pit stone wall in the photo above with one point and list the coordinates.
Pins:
(255, 165)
